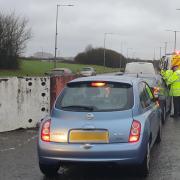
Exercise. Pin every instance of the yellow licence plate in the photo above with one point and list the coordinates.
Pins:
(84, 136)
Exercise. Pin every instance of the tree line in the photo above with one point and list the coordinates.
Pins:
(112, 58)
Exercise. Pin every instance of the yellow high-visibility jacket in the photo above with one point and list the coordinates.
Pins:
(166, 74)
(174, 82)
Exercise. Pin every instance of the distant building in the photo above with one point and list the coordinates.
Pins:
(65, 58)
(42, 55)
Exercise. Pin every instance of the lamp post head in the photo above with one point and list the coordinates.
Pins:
(65, 5)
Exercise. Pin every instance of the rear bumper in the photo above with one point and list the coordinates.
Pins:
(121, 153)
(86, 74)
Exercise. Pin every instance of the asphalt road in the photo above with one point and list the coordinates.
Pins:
(18, 159)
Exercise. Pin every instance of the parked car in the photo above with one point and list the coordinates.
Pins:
(101, 119)
(59, 72)
(147, 72)
(87, 71)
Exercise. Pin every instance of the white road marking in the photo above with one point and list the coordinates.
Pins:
(9, 149)
(19, 145)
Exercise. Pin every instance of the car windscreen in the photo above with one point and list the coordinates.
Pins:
(96, 96)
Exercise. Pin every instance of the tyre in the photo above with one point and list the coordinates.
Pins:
(163, 115)
(144, 168)
(159, 136)
(49, 170)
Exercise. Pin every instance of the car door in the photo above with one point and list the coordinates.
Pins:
(150, 108)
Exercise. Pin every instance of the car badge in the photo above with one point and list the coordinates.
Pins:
(89, 116)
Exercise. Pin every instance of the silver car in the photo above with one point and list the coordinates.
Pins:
(88, 71)
(59, 72)
(101, 119)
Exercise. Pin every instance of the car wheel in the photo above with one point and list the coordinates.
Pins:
(163, 115)
(145, 166)
(159, 136)
(49, 170)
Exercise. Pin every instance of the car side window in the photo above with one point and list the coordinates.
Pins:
(149, 93)
(146, 96)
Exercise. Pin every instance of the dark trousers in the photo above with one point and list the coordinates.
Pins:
(176, 102)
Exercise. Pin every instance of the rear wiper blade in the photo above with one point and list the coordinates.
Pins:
(89, 108)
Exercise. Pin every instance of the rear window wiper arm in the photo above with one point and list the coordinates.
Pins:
(90, 108)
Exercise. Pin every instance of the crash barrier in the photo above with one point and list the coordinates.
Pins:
(24, 101)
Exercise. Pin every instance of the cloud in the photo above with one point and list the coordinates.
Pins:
(140, 24)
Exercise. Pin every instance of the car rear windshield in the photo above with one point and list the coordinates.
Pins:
(96, 96)
(86, 69)
(145, 68)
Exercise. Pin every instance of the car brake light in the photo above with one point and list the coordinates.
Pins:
(177, 52)
(98, 84)
(135, 131)
(45, 131)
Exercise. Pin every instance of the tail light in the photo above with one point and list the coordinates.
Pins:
(156, 91)
(135, 131)
(45, 131)
(98, 84)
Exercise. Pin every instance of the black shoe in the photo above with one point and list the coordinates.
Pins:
(174, 115)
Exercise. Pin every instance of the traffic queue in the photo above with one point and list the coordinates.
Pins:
(110, 119)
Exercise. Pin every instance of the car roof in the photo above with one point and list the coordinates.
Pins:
(88, 67)
(59, 69)
(140, 63)
(129, 80)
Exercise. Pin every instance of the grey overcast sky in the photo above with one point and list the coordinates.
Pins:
(140, 25)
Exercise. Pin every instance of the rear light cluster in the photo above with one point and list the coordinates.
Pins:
(135, 131)
(45, 131)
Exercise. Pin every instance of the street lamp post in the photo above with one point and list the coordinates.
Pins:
(128, 51)
(56, 34)
(160, 48)
(104, 63)
(105, 35)
(154, 57)
(175, 32)
(122, 46)
(165, 48)
(127, 56)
